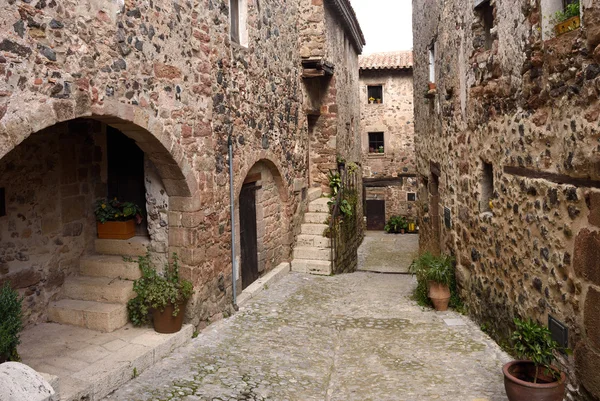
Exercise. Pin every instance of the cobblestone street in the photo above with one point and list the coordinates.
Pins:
(350, 337)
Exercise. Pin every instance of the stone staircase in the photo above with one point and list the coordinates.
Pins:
(97, 298)
(312, 253)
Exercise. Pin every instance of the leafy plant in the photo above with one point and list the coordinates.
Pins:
(570, 11)
(155, 291)
(352, 168)
(428, 267)
(395, 224)
(11, 323)
(114, 210)
(534, 342)
(335, 182)
(346, 208)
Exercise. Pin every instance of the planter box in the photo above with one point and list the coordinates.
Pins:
(116, 229)
(567, 26)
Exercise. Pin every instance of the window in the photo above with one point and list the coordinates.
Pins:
(549, 10)
(2, 202)
(376, 143)
(238, 14)
(375, 93)
(487, 187)
(432, 62)
(411, 197)
(485, 13)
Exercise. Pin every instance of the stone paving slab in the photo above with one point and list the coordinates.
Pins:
(343, 338)
(89, 364)
(387, 253)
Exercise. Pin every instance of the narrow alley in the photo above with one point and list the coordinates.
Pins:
(349, 337)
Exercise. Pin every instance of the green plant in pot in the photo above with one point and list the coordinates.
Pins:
(396, 224)
(116, 219)
(438, 273)
(162, 295)
(11, 323)
(534, 378)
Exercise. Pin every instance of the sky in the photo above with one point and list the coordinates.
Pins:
(387, 24)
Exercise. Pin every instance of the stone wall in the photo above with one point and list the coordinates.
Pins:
(49, 180)
(396, 198)
(519, 118)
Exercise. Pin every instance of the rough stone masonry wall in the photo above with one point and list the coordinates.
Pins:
(530, 109)
(166, 74)
(49, 179)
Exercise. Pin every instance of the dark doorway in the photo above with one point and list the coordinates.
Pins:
(126, 171)
(434, 211)
(375, 214)
(248, 235)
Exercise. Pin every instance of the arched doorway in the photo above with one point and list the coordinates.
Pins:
(263, 232)
(49, 250)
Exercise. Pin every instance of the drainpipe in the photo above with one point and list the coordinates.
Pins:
(232, 211)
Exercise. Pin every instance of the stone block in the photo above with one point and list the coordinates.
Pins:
(99, 289)
(136, 246)
(594, 206)
(591, 317)
(73, 208)
(592, 23)
(20, 382)
(587, 255)
(587, 365)
(109, 266)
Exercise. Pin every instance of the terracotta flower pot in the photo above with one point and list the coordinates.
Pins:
(116, 229)
(432, 86)
(519, 389)
(165, 322)
(439, 295)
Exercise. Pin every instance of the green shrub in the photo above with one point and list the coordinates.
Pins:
(534, 342)
(440, 269)
(395, 224)
(114, 210)
(570, 11)
(11, 323)
(156, 291)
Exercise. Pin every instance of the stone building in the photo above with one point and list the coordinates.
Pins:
(507, 135)
(387, 134)
(140, 100)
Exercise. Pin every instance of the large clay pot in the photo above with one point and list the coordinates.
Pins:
(165, 322)
(439, 295)
(116, 229)
(547, 388)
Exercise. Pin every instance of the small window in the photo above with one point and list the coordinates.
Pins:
(238, 14)
(411, 197)
(375, 93)
(485, 13)
(432, 62)
(376, 143)
(487, 187)
(2, 202)
(555, 12)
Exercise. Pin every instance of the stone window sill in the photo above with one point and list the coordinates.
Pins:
(376, 155)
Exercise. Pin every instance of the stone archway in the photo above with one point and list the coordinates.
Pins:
(274, 233)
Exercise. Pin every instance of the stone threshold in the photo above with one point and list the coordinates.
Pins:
(259, 285)
(85, 364)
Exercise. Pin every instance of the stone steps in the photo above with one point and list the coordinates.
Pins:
(313, 229)
(317, 267)
(314, 193)
(312, 253)
(92, 315)
(319, 206)
(315, 218)
(109, 266)
(313, 240)
(136, 246)
(98, 289)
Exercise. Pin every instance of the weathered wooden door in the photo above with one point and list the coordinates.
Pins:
(375, 214)
(248, 235)
(126, 171)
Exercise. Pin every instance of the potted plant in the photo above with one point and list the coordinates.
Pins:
(162, 295)
(381, 149)
(437, 272)
(396, 224)
(534, 378)
(431, 86)
(567, 20)
(11, 323)
(115, 219)
(371, 100)
(378, 101)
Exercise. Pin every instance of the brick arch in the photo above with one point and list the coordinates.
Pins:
(146, 130)
(273, 165)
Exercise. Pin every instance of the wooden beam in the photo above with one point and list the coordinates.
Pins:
(552, 177)
(253, 178)
(312, 73)
(435, 168)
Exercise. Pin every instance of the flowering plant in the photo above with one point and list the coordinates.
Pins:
(113, 210)
(371, 99)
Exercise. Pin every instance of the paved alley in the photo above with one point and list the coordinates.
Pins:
(381, 252)
(349, 337)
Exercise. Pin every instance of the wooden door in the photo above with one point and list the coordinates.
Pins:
(434, 212)
(126, 171)
(248, 235)
(375, 214)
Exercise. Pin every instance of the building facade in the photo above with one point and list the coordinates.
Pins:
(387, 134)
(507, 134)
(141, 101)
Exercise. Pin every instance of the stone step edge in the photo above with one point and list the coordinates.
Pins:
(258, 286)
